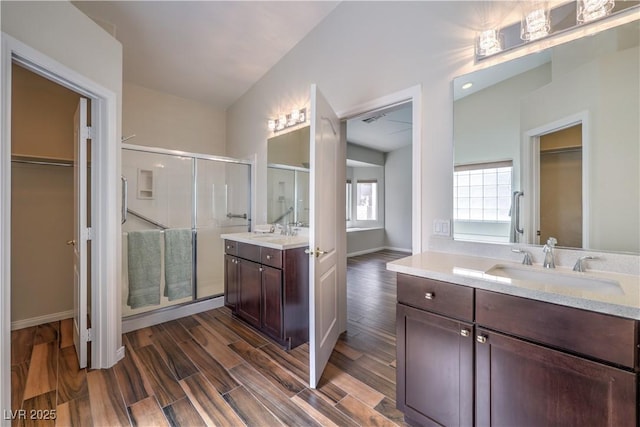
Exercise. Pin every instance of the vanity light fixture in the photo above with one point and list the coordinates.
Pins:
(535, 25)
(284, 121)
(590, 10)
(488, 43)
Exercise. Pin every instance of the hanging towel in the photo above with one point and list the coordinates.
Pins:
(178, 263)
(145, 272)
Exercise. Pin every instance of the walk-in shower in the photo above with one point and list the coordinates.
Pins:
(175, 206)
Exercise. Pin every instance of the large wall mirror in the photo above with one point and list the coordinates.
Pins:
(549, 145)
(288, 178)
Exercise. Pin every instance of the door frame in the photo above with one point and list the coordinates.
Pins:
(414, 95)
(106, 347)
(530, 172)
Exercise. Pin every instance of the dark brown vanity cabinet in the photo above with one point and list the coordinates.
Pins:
(540, 364)
(268, 289)
(435, 352)
(525, 363)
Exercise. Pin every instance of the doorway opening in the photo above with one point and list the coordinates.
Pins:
(560, 193)
(46, 201)
(555, 173)
(379, 201)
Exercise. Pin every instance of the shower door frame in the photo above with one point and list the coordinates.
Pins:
(163, 314)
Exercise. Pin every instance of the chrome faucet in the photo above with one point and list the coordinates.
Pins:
(527, 256)
(548, 253)
(579, 266)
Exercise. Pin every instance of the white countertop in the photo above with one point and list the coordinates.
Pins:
(471, 271)
(269, 240)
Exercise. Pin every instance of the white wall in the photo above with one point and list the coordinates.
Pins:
(613, 150)
(163, 120)
(397, 174)
(360, 52)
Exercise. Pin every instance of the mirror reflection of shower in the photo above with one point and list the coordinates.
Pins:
(287, 195)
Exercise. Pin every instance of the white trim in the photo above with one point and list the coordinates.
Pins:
(5, 229)
(106, 294)
(39, 320)
(381, 248)
(413, 95)
(530, 173)
(145, 320)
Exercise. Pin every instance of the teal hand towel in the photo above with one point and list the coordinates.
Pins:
(145, 267)
(178, 263)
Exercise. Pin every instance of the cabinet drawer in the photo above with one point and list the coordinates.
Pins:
(230, 247)
(271, 257)
(247, 251)
(438, 297)
(601, 336)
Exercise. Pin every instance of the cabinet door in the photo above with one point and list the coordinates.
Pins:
(230, 282)
(435, 368)
(249, 291)
(523, 384)
(272, 301)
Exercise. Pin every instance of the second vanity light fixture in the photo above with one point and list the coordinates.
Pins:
(538, 21)
(284, 121)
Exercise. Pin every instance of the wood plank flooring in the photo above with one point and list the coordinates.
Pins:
(211, 369)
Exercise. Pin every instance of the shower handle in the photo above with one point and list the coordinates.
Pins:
(125, 196)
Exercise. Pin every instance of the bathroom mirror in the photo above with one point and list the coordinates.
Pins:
(548, 145)
(288, 178)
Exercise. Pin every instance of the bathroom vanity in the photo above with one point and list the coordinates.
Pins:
(266, 279)
(476, 347)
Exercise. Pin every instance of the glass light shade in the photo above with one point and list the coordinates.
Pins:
(271, 124)
(535, 25)
(488, 43)
(590, 10)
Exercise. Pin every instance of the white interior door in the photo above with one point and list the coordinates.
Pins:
(81, 233)
(325, 289)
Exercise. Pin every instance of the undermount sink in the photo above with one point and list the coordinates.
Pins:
(556, 278)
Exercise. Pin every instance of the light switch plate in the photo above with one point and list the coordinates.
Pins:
(441, 227)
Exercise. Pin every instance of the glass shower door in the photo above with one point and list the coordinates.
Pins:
(222, 206)
(157, 234)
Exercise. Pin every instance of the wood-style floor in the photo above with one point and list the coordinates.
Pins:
(211, 369)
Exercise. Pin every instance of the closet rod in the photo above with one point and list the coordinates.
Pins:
(42, 162)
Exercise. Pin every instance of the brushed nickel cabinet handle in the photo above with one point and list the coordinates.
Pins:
(465, 332)
(481, 339)
(430, 295)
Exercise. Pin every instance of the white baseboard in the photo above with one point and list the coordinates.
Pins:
(39, 320)
(169, 313)
(409, 251)
(382, 248)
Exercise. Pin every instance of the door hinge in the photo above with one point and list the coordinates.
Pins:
(87, 335)
(88, 234)
(87, 132)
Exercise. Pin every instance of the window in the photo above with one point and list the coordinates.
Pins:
(348, 192)
(367, 200)
(482, 192)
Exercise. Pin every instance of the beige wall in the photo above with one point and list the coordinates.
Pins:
(41, 223)
(41, 197)
(41, 116)
(162, 120)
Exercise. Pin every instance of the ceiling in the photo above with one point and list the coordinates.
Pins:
(384, 130)
(214, 51)
(208, 51)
